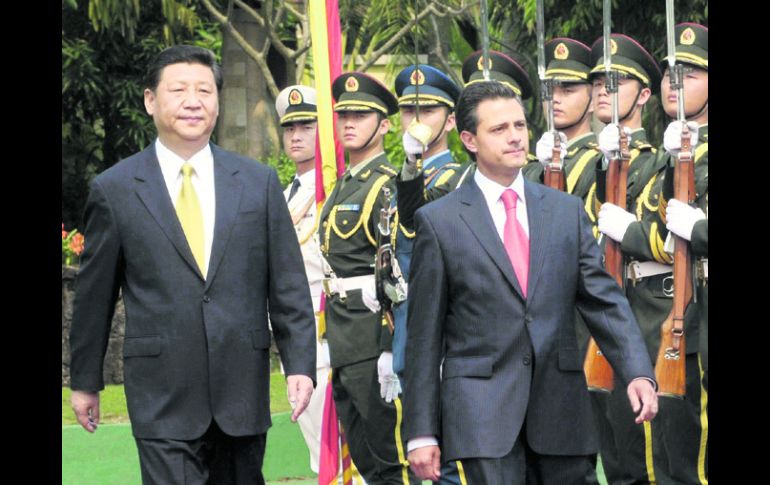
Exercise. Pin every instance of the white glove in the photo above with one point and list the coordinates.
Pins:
(412, 147)
(614, 221)
(609, 139)
(390, 387)
(324, 360)
(544, 147)
(681, 218)
(672, 137)
(369, 297)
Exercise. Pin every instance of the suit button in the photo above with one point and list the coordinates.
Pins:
(206, 298)
(526, 360)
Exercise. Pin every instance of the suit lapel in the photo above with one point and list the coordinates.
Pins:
(475, 213)
(152, 191)
(538, 214)
(227, 190)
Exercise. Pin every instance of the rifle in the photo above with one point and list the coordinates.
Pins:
(670, 364)
(554, 173)
(599, 373)
(389, 281)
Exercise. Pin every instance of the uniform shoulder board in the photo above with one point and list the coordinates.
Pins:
(386, 169)
(365, 174)
(531, 157)
(642, 145)
(452, 165)
(592, 144)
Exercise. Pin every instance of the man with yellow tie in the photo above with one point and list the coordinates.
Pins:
(199, 240)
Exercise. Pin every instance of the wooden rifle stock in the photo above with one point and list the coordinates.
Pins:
(599, 373)
(670, 365)
(554, 171)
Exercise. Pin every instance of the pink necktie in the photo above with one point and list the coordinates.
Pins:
(515, 240)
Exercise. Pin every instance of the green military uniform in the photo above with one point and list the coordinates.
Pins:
(356, 336)
(681, 428)
(627, 449)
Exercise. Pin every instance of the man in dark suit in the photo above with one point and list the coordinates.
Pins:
(202, 245)
(499, 267)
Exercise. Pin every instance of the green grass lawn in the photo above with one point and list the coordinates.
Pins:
(108, 457)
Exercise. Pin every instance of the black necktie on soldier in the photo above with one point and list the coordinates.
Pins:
(294, 188)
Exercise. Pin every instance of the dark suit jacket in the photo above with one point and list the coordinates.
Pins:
(507, 358)
(193, 349)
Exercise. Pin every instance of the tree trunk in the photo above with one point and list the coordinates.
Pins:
(248, 122)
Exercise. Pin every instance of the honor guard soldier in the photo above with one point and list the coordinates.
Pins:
(681, 430)
(359, 340)
(428, 95)
(628, 451)
(568, 63)
(296, 108)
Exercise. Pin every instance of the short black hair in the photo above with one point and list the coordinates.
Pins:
(472, 96)
(182, 54)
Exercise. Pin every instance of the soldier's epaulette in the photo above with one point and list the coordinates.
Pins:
(451, 165)
(705, 137)
(593, 145)
(365, 174)
(531, 158)
(387, 170)
(642, 145)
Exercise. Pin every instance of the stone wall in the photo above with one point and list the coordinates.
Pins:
(113, 361)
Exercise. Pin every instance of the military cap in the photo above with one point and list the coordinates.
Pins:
(435, 87)
(356, 91)
(628, 57)
(296, 103)
(567, 60)
(501, 68)
(692, 45)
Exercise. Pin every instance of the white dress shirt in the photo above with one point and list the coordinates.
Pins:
(202, 181)
(493, 191)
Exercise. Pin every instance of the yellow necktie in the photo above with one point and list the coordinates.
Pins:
(188, 209)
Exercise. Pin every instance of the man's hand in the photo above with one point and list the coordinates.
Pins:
(544, 147)
(412, 147)
(614, 221)
(680, 218)
(672, 137)
(390, 386)
(300, 390)
(426, 462)
(369, 296)
(642, 396)
(86, 407)
(609, 139)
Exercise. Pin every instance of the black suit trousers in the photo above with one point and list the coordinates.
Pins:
(524, 466)
(215, 458)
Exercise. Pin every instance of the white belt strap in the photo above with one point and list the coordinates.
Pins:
(639, 270)
(334, 285)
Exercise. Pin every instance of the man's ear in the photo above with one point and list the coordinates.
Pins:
(451, 123)
(384, 126)
(149, 101)
(469, 140)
